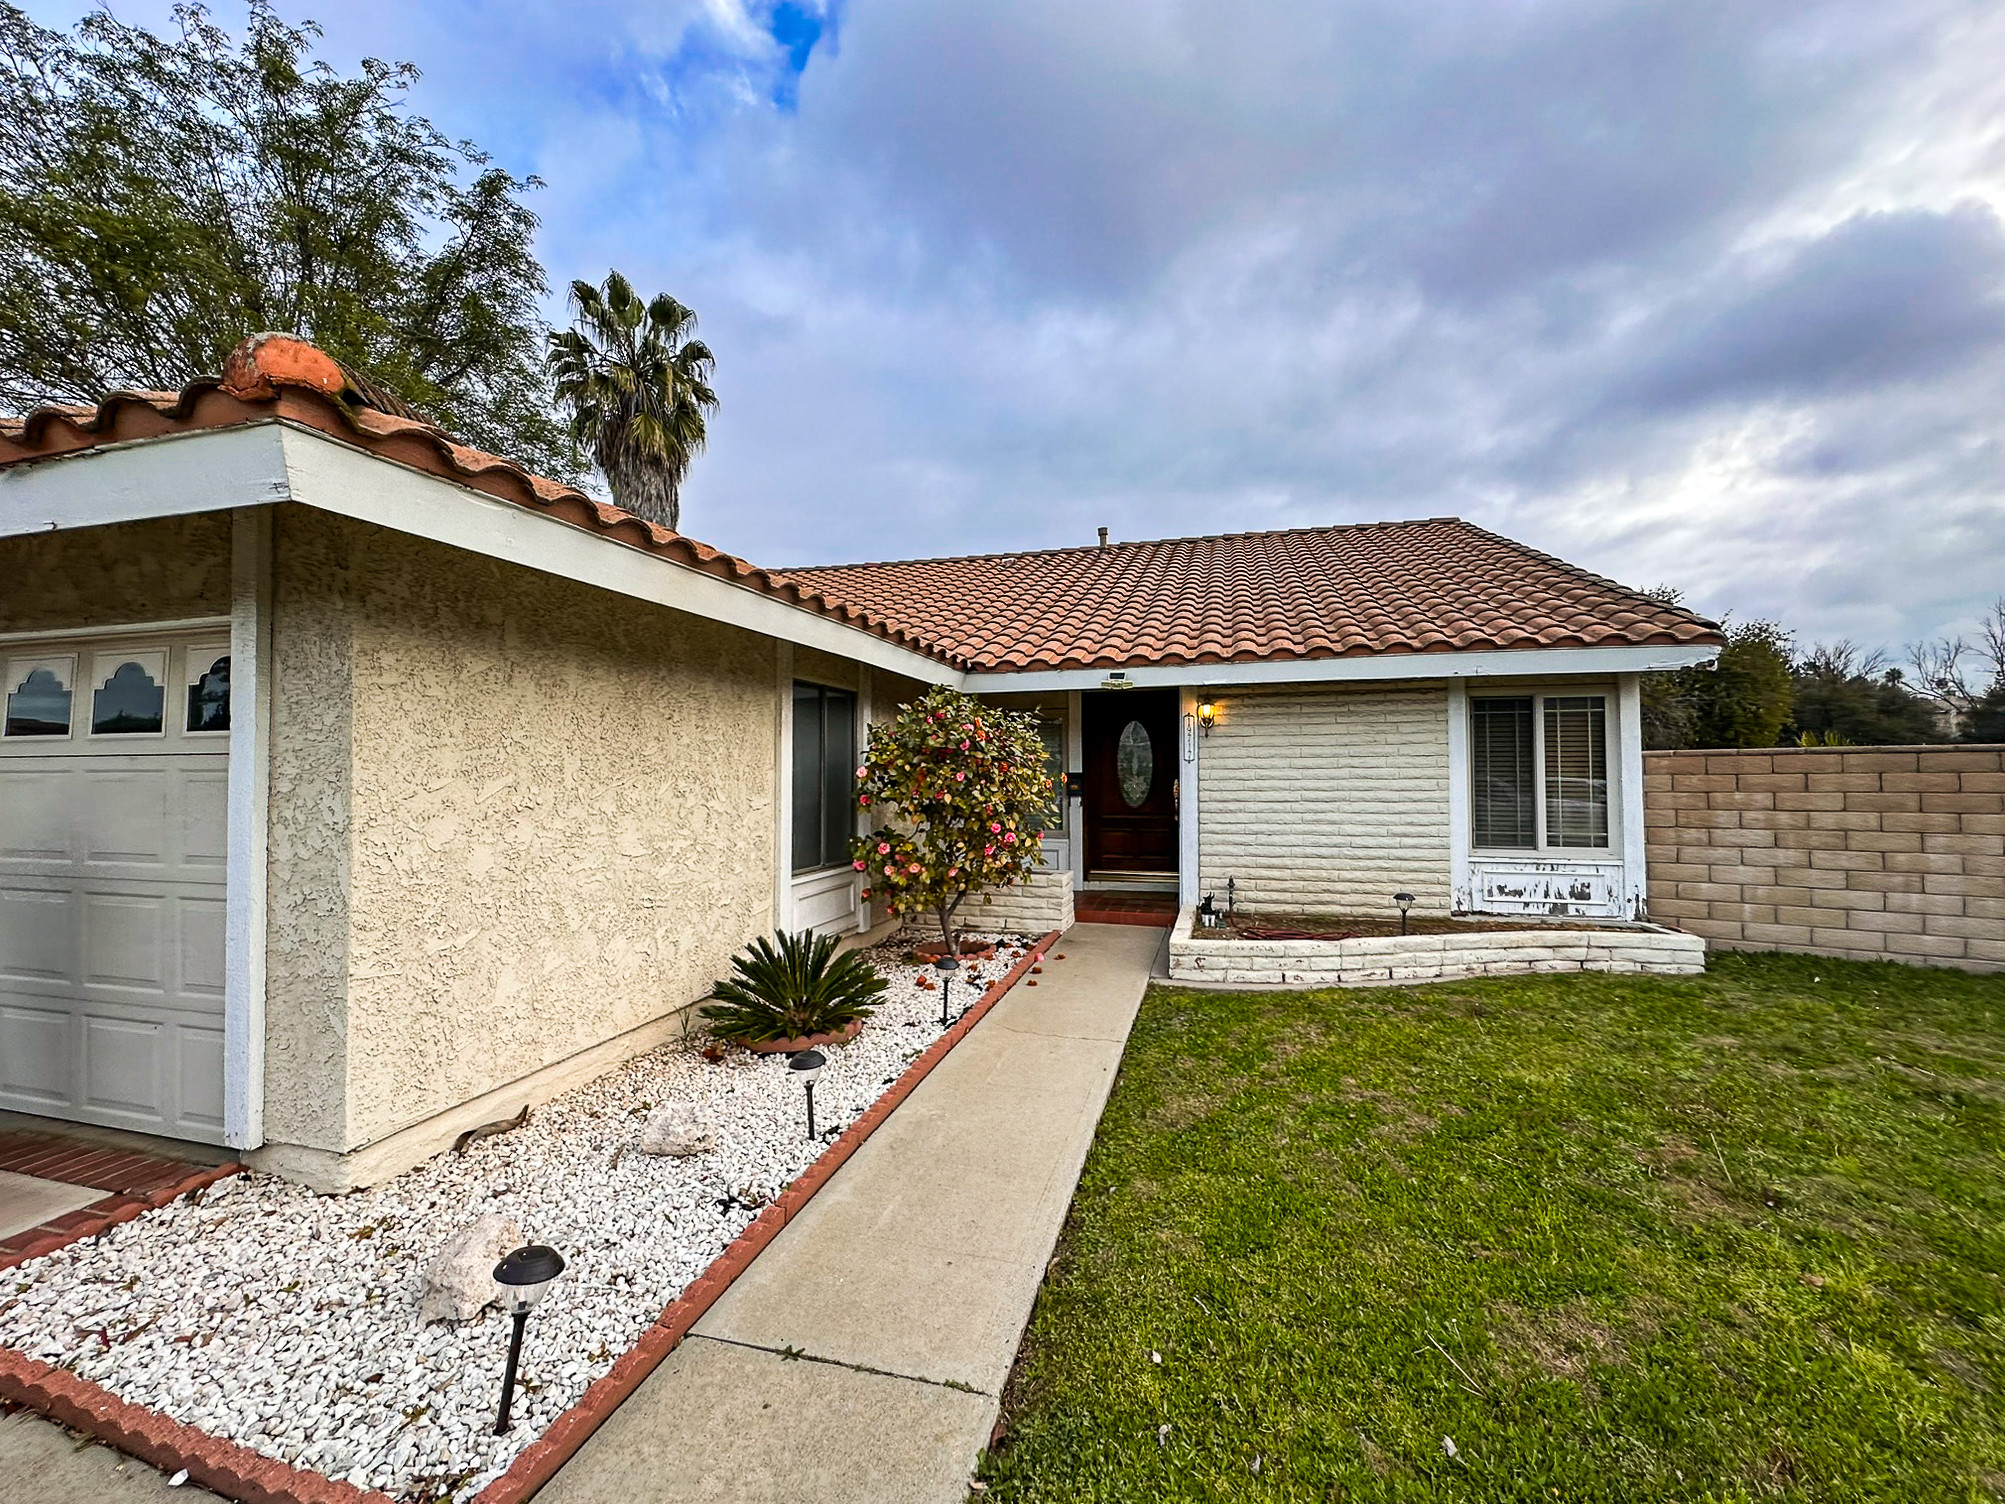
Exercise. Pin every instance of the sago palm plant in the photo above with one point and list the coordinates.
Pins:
(636, 381)
(788, 990)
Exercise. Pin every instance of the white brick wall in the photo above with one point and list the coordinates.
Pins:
(1038, 905)
(1327, 800)
(1379, 960)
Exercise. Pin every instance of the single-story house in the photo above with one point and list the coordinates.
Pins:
(358, 787)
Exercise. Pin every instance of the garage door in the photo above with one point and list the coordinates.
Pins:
(114, 760)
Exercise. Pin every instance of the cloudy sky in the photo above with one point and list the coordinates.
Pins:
(1706, 292)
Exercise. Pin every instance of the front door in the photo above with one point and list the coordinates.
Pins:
(1131, 782)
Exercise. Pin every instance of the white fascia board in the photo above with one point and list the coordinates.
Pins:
(257, 464)
(1515, 664)
(333, 477)
(212, 470)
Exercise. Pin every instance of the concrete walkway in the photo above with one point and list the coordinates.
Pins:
(862, 1357)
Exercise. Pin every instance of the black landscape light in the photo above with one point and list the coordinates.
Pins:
(805, 1067)
(1405, 902)
(525, 1277)
(947, 966)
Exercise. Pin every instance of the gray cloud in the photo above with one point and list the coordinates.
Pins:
(1696, 292)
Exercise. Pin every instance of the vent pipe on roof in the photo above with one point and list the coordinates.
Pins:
(1103, 537)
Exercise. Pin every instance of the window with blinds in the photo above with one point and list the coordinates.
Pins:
(824, 776)
(1576, 758)
(1500, 752)
(1539, 766)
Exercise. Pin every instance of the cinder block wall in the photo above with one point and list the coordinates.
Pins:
(1325, 799)
(1883, 853)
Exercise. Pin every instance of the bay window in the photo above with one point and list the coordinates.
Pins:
(1539, 770)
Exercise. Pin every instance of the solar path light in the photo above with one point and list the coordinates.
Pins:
(1405, 902)
(947, 965)
(525, 1277)
(806, 1068)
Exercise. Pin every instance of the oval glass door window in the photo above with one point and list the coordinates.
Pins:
(1135, 764)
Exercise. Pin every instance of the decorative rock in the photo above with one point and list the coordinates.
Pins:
(459, 1283)
(674, 1130)
(280, 1319)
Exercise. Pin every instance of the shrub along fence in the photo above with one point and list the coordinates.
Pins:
(1876, 853)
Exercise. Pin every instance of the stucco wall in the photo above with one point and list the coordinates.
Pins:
(164, 570)
(1327, 800)
(557, 817)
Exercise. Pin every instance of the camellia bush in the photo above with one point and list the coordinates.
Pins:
(960, 791)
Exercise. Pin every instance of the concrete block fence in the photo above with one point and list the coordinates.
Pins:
(1874, 853)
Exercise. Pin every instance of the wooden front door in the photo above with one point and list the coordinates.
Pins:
(1131, 781)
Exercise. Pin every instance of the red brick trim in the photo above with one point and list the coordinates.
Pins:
(237, 1472)
(234, 1471)
(71, 1227)
(539, 1461)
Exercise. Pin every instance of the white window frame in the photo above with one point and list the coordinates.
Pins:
(158, 665)
(1619, 864)
(1611, 712)
(19, 669)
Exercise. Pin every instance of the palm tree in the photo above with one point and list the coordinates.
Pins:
(638, 385)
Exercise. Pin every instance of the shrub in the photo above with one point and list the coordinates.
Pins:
(965, 792)
(798, 987)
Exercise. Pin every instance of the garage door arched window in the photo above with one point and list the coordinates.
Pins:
(208, 690)
(130, 699)
(824, 776)
(38, 697)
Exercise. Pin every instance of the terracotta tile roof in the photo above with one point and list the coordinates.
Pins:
(272, 376)
(1435, 586)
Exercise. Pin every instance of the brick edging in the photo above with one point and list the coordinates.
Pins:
(89, 1221)
(539, 1461)
(238, 1472)
(227, 1467)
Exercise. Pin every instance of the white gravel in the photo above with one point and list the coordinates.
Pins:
(288, 1322)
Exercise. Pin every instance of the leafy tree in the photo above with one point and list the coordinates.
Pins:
(163, 197)
(965, 790)
(637, 382)
(1985, 720)
(1742, 700)
(1853, 696)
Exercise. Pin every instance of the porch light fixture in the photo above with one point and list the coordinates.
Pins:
(1207, 716)
(947, 966)
(806, 1068)
(1405, 902)
(525, 1277)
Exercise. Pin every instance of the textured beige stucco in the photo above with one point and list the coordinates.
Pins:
(1327, 799)
(555, 823)
(167, 569)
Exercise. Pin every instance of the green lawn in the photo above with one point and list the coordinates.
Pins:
(1738, 1236)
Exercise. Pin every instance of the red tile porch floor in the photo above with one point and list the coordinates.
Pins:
(1156, 910)
(130, 1178)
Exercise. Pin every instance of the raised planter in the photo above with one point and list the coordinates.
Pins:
(1378, 960)
(808, 1041)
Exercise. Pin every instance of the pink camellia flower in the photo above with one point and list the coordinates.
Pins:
(863, 798)
(994, 829)
(988, 851)
(864, 771)
(882, 847)
(858, 865)
(964, 746)
(960, 778)
(953, 872)
(1010, 839)
(912, 867)
(890, 871)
